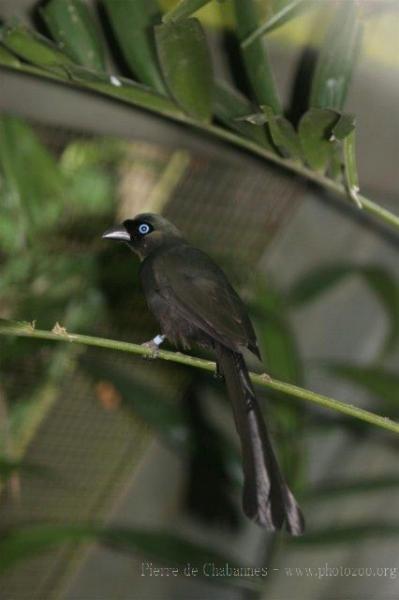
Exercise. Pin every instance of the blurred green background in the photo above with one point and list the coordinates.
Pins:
(108, 460)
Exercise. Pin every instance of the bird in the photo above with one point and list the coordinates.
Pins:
(195, 304)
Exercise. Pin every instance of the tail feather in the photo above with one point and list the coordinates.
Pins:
(267, 500)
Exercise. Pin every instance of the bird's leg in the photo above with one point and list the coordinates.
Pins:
(154, 344)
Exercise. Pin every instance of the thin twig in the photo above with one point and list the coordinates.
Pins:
(59, 334)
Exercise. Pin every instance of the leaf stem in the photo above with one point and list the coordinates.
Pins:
(59, 334)
(223, 134)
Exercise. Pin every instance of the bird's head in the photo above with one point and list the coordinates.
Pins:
(144, 234)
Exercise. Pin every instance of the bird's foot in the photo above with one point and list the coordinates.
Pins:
(153, 345)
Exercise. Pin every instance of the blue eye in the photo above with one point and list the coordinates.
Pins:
(144, 228)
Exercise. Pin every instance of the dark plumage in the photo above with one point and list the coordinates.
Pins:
(193, 302)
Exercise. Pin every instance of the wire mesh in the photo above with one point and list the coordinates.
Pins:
(85, 439)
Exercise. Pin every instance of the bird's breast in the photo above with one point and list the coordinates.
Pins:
(179, 330)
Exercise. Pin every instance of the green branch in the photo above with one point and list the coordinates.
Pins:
(59, 334)
(162, 106)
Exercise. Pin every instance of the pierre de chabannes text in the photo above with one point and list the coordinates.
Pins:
(211, 569)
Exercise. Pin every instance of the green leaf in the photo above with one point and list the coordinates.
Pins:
(123, 89)
(8, 59)
(173, 550)
(315, 136)
(161, 412)
(346, 534)
(135, 98)
(174, 414)
(112, 86)
(282, 359)
(380, 382)
(350, 169)
(331, 489)
(90, 191)
(316, 282)
(289, 10)
(166, 548)
(132, 23)
(386, 289)
(335, 167)
(186, 66)
(254, 118)
(336, 61)
(72, 27)
(84, 153)
(276, 338)
(24, 543)
(184, 8)
(32, 177)
(34, 48)
(344, 126)
(344, 131)
(10, 467)
(232, 109)
(380, 281)
(283, 134)
(255, 56)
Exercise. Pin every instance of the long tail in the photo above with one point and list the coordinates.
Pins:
(267, 499)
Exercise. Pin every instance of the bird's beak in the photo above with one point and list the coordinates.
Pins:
(118, 233)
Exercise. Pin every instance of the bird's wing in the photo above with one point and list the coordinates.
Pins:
(200, 291)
